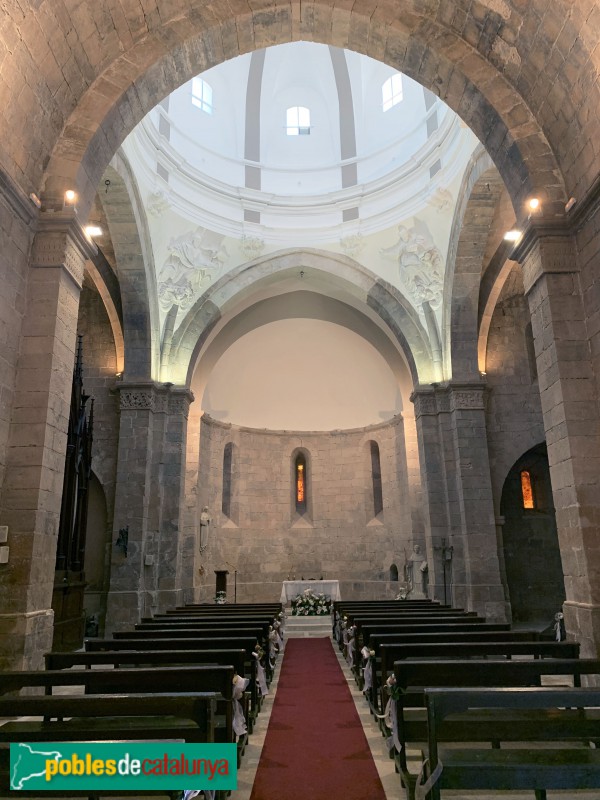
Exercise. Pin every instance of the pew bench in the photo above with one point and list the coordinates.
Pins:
(569, 719)
(174, 645)
(413, 676)
(188, 717)
(389, 647)
(208, 678)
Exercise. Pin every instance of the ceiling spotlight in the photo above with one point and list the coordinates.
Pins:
(35, 200)
(93, 230)
(533, 203)
(512, 236)
(571, 202)
(70, 196)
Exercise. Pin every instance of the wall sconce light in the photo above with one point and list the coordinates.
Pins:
(122, 540)
(512, 236)
(93, 230)
(70, 197)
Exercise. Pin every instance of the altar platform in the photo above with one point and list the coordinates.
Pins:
(291, 589)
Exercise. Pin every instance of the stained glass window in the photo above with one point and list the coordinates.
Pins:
(527, 490)
(300, 484)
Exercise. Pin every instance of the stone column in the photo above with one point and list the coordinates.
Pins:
(571, 418)
(458, 496)
(32, 490)
(149, 502)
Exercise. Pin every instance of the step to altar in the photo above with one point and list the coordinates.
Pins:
(302, 627)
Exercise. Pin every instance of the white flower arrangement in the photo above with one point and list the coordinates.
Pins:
(309, 604)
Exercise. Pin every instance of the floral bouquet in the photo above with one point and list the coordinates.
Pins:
(309, 604)
(221, 598)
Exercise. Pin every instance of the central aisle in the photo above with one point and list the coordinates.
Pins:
(315, 746)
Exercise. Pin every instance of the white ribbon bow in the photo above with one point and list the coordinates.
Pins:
(368, 670)
(422, 789)
(390, 716)
(239, 720)
(261, 678)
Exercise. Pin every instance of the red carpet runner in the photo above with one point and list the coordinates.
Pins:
(315, 747)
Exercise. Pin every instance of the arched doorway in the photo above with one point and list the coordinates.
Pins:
(531, 551)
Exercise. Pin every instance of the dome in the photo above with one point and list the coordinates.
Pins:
(342, 139)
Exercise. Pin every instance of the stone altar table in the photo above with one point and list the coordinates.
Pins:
(291, 589)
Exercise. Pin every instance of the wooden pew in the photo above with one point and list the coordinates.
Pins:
(389, 653)
(153, 659)
(541, 715)
(408, 617)
(174, 645)
(208, 678)
(187, 716)
(413, 676)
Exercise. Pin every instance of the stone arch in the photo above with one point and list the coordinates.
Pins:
(347, 277)
(479, 194)
(113, 310)
(476, 60)
(135, 267)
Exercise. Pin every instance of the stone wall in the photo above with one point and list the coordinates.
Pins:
(513, 410)
(339, 537)
(15, 243)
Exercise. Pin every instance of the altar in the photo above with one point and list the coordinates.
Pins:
(291, 589)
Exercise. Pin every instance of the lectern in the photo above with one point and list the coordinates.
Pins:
(221, 581)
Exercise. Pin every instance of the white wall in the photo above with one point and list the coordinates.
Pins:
(302, 374)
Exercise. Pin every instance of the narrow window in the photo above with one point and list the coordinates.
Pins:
(300, 484)
(393, 573)
(376, 479)
(202, 95)
(298, 121)
(227, 479)
(527, 490)
(391, 92)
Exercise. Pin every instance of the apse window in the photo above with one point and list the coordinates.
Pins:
(300, 484)
(202, 95)
(527, 490)
(391, 91)
(298, 121)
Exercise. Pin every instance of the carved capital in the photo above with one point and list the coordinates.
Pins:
(424, 402)
(60, 242)
(467, 398)
(155, 397)
(136, 399)
(180, 401)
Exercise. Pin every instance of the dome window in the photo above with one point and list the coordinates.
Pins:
(202, 95)
(298, 121)
(391, 91)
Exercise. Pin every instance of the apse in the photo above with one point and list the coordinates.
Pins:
(302, 374)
